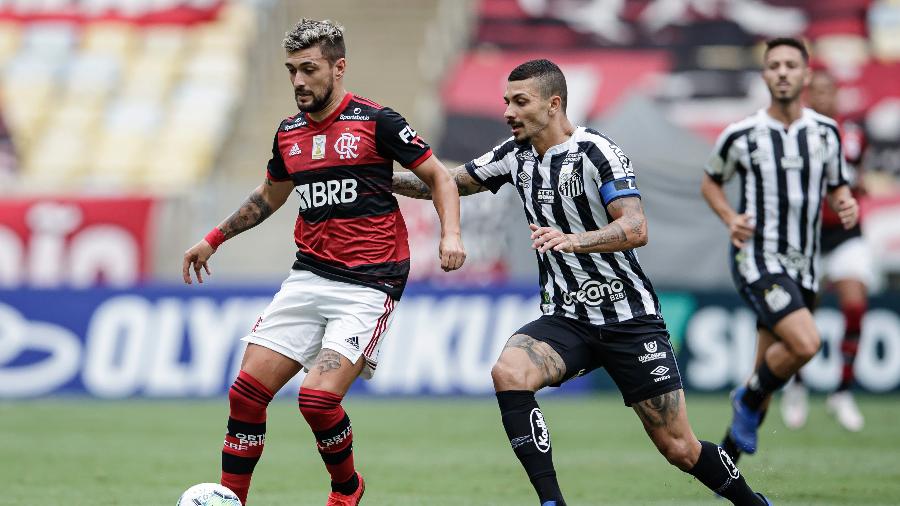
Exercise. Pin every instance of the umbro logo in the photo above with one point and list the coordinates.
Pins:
(353, 341)
(295, 150)
(661, 373)
(524, 180)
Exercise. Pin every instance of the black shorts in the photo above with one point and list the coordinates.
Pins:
(773, 297)
(636, 353)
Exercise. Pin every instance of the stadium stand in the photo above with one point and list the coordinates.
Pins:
(125, 103)
(712, 48)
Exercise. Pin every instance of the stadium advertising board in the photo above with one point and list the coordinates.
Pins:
(76, 242)
(184, 342)
(146, 12)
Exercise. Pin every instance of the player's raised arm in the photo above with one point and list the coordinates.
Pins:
(409, 184)
(628, 230)
(434, 176)
(262, 202)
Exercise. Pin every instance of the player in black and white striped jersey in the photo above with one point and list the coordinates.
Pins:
(583, 206)
(568, 189)
(789, 159)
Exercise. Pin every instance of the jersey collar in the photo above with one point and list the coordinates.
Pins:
(779, 126)
(562, 147)
(325, 123)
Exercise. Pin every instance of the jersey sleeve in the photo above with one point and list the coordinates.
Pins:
(615, 174)
(275, 170)
(396, 140)
(721, 164)
(492, 169)
(836, 173)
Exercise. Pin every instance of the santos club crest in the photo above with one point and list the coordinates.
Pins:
(570, 184)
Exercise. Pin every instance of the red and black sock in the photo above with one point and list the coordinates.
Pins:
(248, 399)
(334, 436)
(853, 315)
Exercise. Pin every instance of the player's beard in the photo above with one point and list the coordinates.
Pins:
(318, 101)
(792, 94)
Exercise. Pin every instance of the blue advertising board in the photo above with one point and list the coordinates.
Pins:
(168, 341)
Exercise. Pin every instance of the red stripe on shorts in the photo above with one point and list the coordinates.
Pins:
(380, 326)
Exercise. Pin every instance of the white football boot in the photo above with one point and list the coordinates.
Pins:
(843, 407)
(794, 405)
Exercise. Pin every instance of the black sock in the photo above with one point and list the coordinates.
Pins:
(760, 386)
(522, 418)
(731, 447)
(716, 470)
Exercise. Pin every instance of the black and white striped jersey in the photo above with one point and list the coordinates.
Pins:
(784, 174)
(568, 189)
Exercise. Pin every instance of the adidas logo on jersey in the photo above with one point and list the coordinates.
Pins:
(295, 150)
(353, 341)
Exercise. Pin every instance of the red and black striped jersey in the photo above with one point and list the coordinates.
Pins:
(854, 142)
(349, 227)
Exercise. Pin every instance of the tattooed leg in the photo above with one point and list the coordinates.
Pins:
(659, 411)
(332, 372)
(665, 420)
(527, 364)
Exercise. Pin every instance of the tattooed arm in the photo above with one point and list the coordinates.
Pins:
(628, 230)
(437, 180)
(262, 202)
(409, 184)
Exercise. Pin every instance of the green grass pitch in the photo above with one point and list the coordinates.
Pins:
(427, 452)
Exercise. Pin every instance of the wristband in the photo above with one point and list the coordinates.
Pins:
(215, 237)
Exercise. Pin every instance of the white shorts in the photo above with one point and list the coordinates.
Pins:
(851, 259)
(311, 312)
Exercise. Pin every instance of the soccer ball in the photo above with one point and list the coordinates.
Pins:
(208, 494)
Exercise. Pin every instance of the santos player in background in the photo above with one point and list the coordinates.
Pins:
(789, 158)
(847, 264)
(599, 309)
(352, 260)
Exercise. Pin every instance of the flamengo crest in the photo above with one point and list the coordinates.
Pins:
(346, 145)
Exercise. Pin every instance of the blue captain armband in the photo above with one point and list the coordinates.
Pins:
(618, 188)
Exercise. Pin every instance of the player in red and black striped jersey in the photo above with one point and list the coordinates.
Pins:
(349, 227)
(352, 257)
